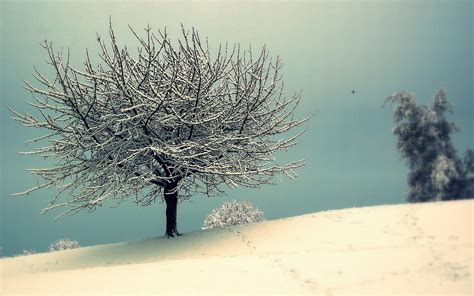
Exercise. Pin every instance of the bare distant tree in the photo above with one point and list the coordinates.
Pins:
(424, 139)
(173, 118)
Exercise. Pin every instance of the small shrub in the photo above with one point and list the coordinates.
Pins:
(232, 213)
(63, 244)
(27, 252)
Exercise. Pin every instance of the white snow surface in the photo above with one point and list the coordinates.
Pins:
(403, 249)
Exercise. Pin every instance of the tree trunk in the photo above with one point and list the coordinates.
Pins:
(171, 199)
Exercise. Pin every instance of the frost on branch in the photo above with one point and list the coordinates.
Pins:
(171, 117)
(424, 139)
(63, 244)
(232, 213)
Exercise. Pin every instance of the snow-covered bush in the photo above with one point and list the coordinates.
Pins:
(27, 252)
(232, 213)
(63, 244)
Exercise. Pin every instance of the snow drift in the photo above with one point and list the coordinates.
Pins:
(410, 249)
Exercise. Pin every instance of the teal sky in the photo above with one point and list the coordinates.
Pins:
(328, 49)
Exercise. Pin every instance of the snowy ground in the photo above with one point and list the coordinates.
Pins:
(403, 249)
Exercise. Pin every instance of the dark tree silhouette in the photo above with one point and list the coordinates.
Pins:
(424, 139)
(173, 118)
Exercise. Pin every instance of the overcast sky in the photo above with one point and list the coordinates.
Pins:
(329, 48)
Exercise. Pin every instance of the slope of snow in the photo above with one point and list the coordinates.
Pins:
(409, 249)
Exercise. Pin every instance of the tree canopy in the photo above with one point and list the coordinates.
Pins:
(173, 116)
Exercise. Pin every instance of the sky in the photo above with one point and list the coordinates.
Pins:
(328, 48)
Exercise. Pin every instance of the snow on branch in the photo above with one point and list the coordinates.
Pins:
(172, 114)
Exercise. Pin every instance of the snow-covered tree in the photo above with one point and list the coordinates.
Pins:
(63, 244)
(232, 213)
(424, 139)
(171, 118)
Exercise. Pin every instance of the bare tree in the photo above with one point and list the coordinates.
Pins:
(173, 118)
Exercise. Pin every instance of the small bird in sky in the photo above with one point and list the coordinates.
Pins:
(353, 91)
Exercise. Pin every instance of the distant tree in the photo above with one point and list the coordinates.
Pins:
(424, 139)
(232, 213)
(63, 244)
(174, 118)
